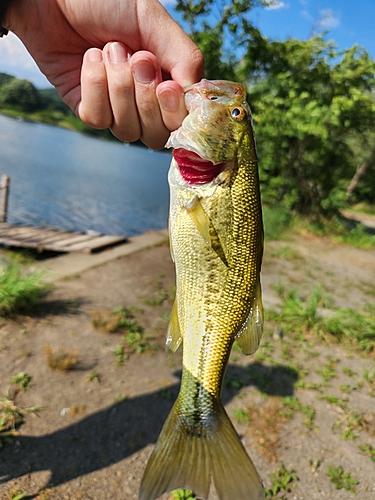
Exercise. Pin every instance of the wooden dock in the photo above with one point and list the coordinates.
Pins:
(41, 239)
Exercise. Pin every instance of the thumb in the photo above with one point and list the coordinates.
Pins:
(176, 52)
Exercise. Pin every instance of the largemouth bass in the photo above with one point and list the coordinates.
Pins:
(216, 236)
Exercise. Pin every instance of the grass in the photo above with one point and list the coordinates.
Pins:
(61, 360)
(19, 291)
(302, 315)
(341, 479)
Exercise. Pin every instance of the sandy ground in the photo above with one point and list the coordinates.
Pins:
(97, 423)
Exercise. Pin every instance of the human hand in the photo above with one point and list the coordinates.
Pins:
(107, 61)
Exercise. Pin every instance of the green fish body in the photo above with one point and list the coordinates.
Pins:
(216, 236)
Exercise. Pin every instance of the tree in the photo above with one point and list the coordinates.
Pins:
(222, 29)
(21, 95)
(313, 108)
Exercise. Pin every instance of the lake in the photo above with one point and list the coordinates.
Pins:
(64, 179)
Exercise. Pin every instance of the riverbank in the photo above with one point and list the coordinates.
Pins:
(303, 403)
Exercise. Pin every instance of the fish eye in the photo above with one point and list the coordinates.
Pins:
(237, 114)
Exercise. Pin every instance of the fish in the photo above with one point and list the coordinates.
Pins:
(216, 239)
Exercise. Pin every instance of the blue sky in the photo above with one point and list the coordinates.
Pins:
(348, 22)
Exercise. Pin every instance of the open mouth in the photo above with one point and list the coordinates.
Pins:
(194, 169)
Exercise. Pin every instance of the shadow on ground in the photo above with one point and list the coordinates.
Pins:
(110, 435)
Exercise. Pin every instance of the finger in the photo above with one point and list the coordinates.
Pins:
(147, 76)
(181, 58)
(126, 125)
(94, 108)
(172, 104)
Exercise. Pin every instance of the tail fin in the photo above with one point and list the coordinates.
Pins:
(184, 459)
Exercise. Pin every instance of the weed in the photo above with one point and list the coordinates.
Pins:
(21, 379)
(160, 295)
(267, 422)
(12, 416)
(341, 479)
(166, 394)
(93, 377)
(61, 360)
(14, 494)
(349, 372)
(281, 481)
(77, 410)
(182, 495)
(287, 253)
(121, 355)
(369, 450)
(19, 292)
(328, 371)
(240, 416)
(118, 319)
(292, 404)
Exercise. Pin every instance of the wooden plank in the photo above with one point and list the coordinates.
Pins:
(77, 238)
(96, 243)
(55, 240)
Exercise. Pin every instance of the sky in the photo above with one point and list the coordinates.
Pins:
(348, 22)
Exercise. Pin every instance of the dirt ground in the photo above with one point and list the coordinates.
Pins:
(303, 404)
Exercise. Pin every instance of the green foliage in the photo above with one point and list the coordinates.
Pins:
(20, 94)
(352, 326)
(19, 291)
(276, 221)
(341, 479)
(22, 379)
(182, 495)
(221, 30)
(307, 106)
(282, 480)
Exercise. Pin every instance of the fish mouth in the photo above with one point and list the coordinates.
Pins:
(195, 169)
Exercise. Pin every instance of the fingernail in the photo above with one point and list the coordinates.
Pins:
(118, 53)
(169, 99)
(144, 71)
(95, 55)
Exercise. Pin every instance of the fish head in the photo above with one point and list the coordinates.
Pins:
(207, 142)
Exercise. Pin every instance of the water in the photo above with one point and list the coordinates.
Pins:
(63, 179)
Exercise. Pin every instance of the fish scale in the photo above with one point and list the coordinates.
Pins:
(216, 238)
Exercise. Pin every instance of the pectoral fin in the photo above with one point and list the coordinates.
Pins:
(251, 333)
(174, 337)
(205, 227)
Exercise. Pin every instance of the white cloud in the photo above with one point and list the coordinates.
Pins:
(328, 19)
(16, 61)
(277, 5)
